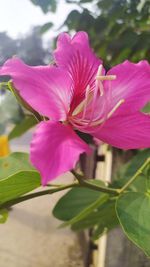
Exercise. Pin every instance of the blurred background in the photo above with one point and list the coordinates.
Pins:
(118, 30)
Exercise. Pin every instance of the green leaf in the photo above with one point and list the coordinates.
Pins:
(133, 210)
(46, 27)
(72, 203)
(3, 215)
(84, 208)
(103, 219)
(18, 184)
(107, 219)
(14, 163)
(20, 128)
(45, 5)
(87, 211)
(129, 169)
(136, 163)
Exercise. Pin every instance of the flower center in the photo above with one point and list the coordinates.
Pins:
(90, 100)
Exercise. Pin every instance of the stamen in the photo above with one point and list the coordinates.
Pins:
(115, 107)
(120, 102)
(98, 82)
(99, 72)
(91, 95)
(106, 77)
(88, 98)
(82, 106)
(101, 77)
(101, 88)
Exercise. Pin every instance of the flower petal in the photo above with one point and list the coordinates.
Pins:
(125, 131)
(132, 84)
(45, 88)
(76, 56)
(55, 149)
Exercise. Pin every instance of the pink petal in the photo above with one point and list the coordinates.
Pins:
(125, 131)
(45, 88)
(76, 56)
(132, 84)
(55, 149)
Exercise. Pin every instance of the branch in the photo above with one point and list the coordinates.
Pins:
(133, 178)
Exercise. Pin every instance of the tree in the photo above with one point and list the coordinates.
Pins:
(118, 29)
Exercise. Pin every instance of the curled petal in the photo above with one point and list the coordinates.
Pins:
(132, 84)
(45, 88)
(125, 131)
(55, 149)
(76, 56)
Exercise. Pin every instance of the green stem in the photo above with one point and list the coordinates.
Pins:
(85, 183)
(37, 194)
(81, 182)
(107, 190)
(133, 178)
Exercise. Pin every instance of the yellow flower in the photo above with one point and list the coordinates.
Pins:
(4, 146)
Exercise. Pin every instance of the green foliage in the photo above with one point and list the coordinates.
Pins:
(133, 211)
(46, 27)
(84, 208)
(146, 109)
(128, 170)
(76, 200)
(118, 29)
(14, 163)
(17, 177)
(27, 123)
(45, 5)
(3, 215)
(17, 185)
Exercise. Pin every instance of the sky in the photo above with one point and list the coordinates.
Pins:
(17, 17)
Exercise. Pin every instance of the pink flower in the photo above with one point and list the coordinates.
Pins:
(77, 94)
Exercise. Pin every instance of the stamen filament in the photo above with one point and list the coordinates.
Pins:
(106, 77)
(115, 107)
(109, 114)
(82, 106)
(88, 98)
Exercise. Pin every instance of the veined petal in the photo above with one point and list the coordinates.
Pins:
(76, 56)
(129, 131)
(46, 89)
(55, 149)
(132, 84)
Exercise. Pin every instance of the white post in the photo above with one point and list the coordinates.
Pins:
(103, 172)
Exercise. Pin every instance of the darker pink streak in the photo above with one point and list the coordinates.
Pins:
(76, 57)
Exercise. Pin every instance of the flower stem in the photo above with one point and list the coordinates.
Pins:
(85, 183)
(82, 182)
(13, 202)
(133, 178)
